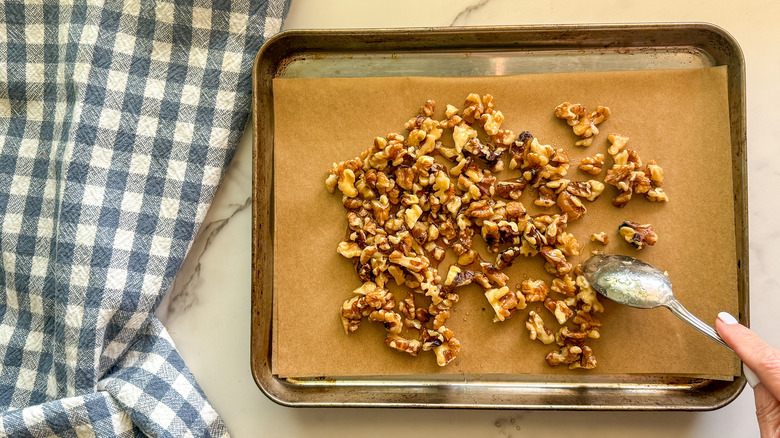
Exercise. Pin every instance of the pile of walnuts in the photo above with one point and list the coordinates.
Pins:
(405, 210)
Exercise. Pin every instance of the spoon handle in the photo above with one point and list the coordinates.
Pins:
(681, 312)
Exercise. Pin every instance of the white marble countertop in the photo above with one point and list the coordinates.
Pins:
(207, 310)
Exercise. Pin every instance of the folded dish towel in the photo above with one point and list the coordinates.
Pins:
(117, 120)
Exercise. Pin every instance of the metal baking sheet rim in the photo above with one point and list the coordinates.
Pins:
(527, 392)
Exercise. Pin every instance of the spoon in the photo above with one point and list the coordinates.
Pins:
(635, 283)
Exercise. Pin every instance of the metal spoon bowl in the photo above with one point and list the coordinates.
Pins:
(635, 283)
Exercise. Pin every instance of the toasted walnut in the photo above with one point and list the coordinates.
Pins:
(592, 165)
(556, 262)
(568, 337)
(571, 205)
(655, 172)
(638, 235)
(586, 320)
(473, 108)
(587, 297)
(657, 195)
(349, 249)
(504, 302)
(537, 329)
(600, 237)
(534, 290)
(586, 128)
(511, 189)
(618, 143)
(446, 352)
(570, 112)
(568, 245)
(391, 320)
(564, 285)
(568, 354)
(411, 346)
(587, 360)
(559, 309)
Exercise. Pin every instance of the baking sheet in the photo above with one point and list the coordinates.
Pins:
(679, 118)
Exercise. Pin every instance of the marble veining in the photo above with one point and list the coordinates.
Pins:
(183, 292)
(460, 19)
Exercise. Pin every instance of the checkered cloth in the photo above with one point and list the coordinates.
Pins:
(117, 120)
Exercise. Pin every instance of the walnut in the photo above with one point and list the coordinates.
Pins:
(568, 354)
(587, 360)
(546, 197)
(586, 320)
(592, 165)
(589, 190)
(638, 235)
(586, 128)
(534, 290)
(537, 329)
(518, 149)
(457, 277)
(655, 172)
(564, 285)
(446, 352)
(559, 309)
(567, 243)
(568, 337)
(411, 346)
(617, 142)
(473, 108)
(352, 313)
(349, 249)
(600, 237)
(493, 274)
(556, 262)
(511, 189)
(571, 205)
(431, 339)
(504, 302)
(657, 195)
(570, 112)
(587, 297)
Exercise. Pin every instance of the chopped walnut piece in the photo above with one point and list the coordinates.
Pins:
(534, 290)
(600, 237)
(504, 302)
(537, 329)
(556, 261)
(571, 205)
(570, 112)
(586, 320)
(592, 165)
(564, 285)
(638, 235)
(587, 360)
(567, 354)
(568, 337)
(584, 126)
(446, 352)
(587, 297)
(411, 346)
(559, 309)
(473, 108)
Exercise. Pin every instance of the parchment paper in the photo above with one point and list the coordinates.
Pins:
(679, 118)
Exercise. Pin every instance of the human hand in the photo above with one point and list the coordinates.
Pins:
(765, 362)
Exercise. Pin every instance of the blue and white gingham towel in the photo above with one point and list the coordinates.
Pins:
(117, 119)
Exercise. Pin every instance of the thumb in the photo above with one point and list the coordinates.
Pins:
(757, 354)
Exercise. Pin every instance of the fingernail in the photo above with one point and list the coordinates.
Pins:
(727, 318)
